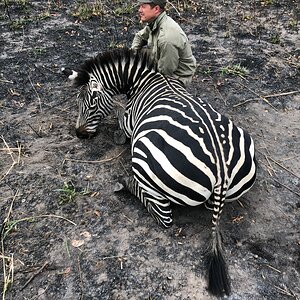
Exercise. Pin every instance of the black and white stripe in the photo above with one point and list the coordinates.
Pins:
(183, 151)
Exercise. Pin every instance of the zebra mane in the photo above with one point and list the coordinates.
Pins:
(115, 56)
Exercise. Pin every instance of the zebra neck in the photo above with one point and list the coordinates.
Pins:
(142, 82)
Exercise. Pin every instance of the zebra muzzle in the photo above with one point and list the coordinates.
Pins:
(82, 133)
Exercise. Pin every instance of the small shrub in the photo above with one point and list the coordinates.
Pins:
(39, 50)
(20, 23)
(235, 70)
(293, 24)
(85, 11)
(127, 9)
(67, 193)
(275, 38)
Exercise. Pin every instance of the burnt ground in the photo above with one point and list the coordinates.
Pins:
(65, 234)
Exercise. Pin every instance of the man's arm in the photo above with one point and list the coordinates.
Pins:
(140, 39)
(169, 59)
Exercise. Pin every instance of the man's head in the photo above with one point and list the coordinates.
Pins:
(150, 9)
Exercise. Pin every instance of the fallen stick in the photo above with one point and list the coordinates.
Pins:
(6, 81)
(261, 97)
(96, 161)
(270, 165)
(10, 149)
(14, 161)
(245, 102)
(284, 168)
(288, 188)
(281, 94)
(285, 292)
(40, 270)
(269, 266)
(36, 132)
(147, 241)
(265, 97)
(114, 256)
(38, 96)
(80, 277)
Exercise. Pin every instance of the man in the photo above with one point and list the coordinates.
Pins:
(166, 40)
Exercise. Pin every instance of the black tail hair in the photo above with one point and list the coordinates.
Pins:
(218, 279)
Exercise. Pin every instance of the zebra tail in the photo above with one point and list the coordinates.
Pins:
(218, 279)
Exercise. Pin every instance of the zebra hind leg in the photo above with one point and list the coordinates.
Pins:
(126, 184)
(218, 279)
(158, 207)
(160, 210)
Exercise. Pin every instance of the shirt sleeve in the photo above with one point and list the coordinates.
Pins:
(168, 59)
(140, 39)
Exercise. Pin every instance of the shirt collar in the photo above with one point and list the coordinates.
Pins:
(155, 24)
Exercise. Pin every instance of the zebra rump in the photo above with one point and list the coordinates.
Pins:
(183, 151)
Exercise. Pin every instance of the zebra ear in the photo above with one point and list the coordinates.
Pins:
(71, 74)
(78, 78)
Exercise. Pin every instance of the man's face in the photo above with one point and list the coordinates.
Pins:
(147, 13)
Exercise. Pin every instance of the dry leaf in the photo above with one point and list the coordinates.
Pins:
(86, 235)
(67, 271)
(77, 243)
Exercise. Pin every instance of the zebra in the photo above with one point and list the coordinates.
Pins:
(183, 151)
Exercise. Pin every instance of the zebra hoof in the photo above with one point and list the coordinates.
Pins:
(119, 187)
(119, 137)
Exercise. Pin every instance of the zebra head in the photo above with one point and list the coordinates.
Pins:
(94, 101)
(120, 71)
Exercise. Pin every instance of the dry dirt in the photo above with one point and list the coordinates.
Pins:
(102, 245)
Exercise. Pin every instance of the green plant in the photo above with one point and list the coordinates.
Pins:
(293, 23)
(43, 15)
(127, 9)
(22, 2)
(10, 225)
(206, 71)
(113, 44)
(67, 193)
(85, 11)
(19, 23)
(184, 5)
(16, 2)
(275, 38)
(39, 50)
(235, 70)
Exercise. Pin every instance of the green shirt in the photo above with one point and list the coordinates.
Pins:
(169, 47)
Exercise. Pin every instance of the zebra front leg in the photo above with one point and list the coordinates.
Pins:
(119, 135)
(158, 207)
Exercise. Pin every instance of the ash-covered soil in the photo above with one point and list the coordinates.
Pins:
(65, 234)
